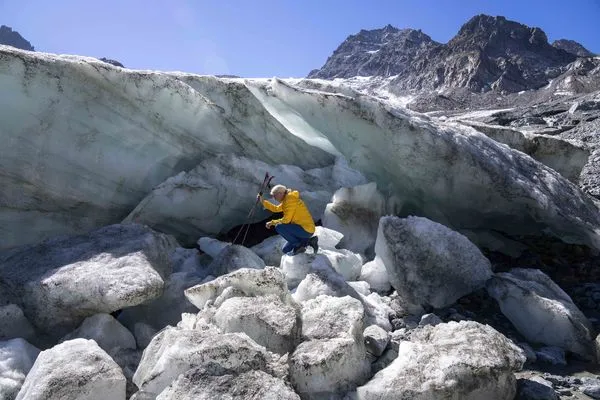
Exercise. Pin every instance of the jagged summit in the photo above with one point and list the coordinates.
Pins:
(487, 53)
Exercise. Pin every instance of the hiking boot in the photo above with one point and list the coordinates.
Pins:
(314, 243)
(299, 250)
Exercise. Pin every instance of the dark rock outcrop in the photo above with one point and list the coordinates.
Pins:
(14, 39)
(112, 62)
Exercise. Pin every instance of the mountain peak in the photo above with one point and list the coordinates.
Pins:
(14, 39)
(482, 22)
(572, 47)
(385, 51)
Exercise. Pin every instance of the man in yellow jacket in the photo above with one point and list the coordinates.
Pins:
(297, 225)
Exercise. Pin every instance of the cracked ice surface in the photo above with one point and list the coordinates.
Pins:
(84, 143)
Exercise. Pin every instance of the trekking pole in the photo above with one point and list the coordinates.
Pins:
(265, 183)
(266, 186)
(251, 210)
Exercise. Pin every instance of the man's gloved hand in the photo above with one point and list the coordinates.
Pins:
(259, 197)
(269, 224)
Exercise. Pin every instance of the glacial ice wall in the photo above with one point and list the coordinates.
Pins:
(85, 142)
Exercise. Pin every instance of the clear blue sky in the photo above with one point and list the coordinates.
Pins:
(263, 38)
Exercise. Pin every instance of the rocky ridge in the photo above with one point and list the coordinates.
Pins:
(488, 53)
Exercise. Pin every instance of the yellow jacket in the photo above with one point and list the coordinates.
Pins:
(294, 211)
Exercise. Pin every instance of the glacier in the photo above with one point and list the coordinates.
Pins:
(85, 143)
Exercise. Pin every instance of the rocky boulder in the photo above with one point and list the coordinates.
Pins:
(270, 250)
(245, 282)
(201, 384)
(463, 360)
(265, 319)
(77, 369)
(376, 275)
(324, 280)
(234, 257)
(429, 264)
(146, 319)
(60, 282)
(106, 331)
(541, 311)
(327, 317)
(175, 351)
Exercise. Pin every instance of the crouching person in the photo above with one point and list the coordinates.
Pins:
(297, 225)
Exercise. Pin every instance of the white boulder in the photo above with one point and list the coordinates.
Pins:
(234, 257)
(174, 351)
(199, 384)
(333, 358)
(295, 268)
(249, 282)
(324, 280)
(463, 360)
(327, 317)
(108, 333)
(265, 319)
(270, 250)
(345, 262)
(328, 238)
(60, 282)
(375, 273)
(16, 359)
(429, 264)
(541, 311)
(78, 369)
(322, 368)
(164, 310)
(314, 286)
(376, 340)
